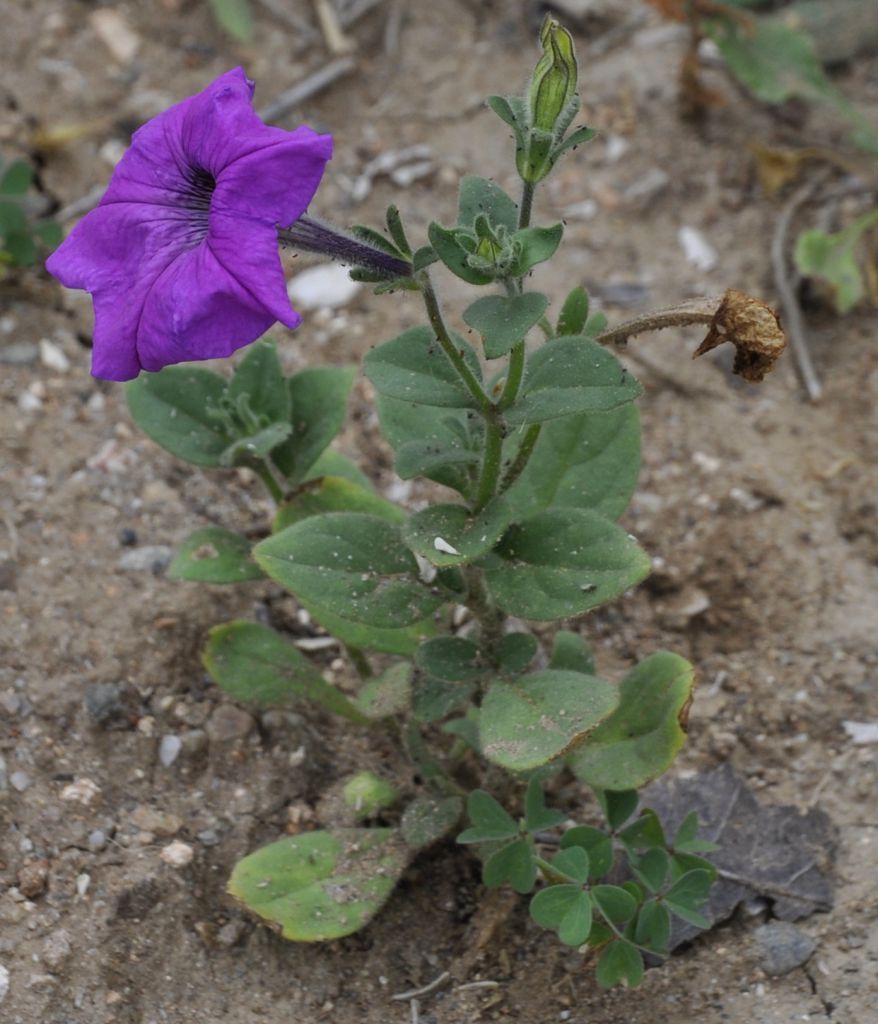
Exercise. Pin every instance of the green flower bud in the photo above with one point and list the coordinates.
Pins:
(554, 80)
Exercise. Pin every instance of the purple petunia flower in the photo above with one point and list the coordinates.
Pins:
(181, 256)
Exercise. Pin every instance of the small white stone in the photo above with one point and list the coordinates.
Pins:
(83, 881)
(169, 749)
(4, 982)
(115, 33)
(862, 732)
(83, 791)
(697, 250)
(52, 355)
(177, 854)
(326, 286)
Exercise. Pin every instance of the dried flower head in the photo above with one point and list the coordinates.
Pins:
(181, 256)
(753, 328)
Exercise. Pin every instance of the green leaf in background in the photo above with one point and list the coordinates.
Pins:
(478, 196)
(428, 818)
(318, 397)
(49, 232)
(574, 312)
(412, 367)
(686, 837)
(572, 375)
(620, 962)
(234, 17)
(448, 248)
(434, 698)
(597, 844)
(652, 868)
(177, 407)
(834, 258)
(371, 638)
(450, 535)
(561, 563)
(618, 805)
(333, 463)
(571, 652)
(16, 179)
(12, 218)
(538, 817)
(429, 441)
(642, 737)
(513, 863)
(516, 651)
(504, 320)
(352, 563)
(321, 885)
(21, 247)
(258, 666)
(214, 555)
(536, 245)
(490, 820)
(590, 461)
(334, 494)
(255, 446)
(452, 658)
(387, 694)
(258, 383)
(565, 909)
(538, 717)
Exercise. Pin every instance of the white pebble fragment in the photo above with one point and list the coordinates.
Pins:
(177, 854)
(83, 791)
(862, 732)
(53, 357)
(327, 286)
(115, 33)
(697, 250)
(442, 545)
(4, 982)
(83, 881)
(169, 749)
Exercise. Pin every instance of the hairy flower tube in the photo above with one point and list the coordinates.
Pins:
(181, 256)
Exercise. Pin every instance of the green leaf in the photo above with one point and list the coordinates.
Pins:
(490, 821)
(12, 218)
(618, 806)
(319, 399)
(597, 844)
(434, 698)
(653, 928)
(689, 893)
(578, 137)
(516, 651)
(465, 728)
(16, 179)
(572, 862)
(652, 868)
(177, 407)
(686, 838)
(428, 818)
(258, 381)
(585, 461)
(531, 720)
(538, 817)
(352, 564)
(572, 375)
(834, 258)
(561, 563)
(334, 494)
(571, 652)
(615, 903)
(503, 108)
(376, 240)
(450, 535)
(234, 17)
(423, 258)
(214, 555)
(451, 658)
(503, 320)
(478, 196)
(397, 231)
(574, 312)
(255, 446)
(576, 924)
(371, 638)
(514, 864)
(387, 694)
(412, 367)
(49, 232)
(333, 463)
(565, 909)
(21, 247)
(536, 245)
(256, 665)
(620, 961)
(429, 441)
(321, 885)
(642, 737)
(644, 833)
(366, 794)
(447, 247)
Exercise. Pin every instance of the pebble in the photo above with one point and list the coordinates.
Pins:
(127, 537)
(83, 791)
(177, 854)
(152, 558)
(32, 878)
(326, 286)
(861, 732)
(230, 933)
(19, 353)
(782, 947)
(4, 982)
(115, 33)
(56, 949)
(194, 742)
(158, 822)
(208, 837)
(228, 724)
(169, 749)
(4, 777)
(20, 781)
(53, 357)
(697, 250)
(97, 841)
(103, 703)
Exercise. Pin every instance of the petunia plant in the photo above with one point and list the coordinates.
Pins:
(527, 421)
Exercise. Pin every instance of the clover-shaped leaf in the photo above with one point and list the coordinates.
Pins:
(538, 817)
(513, 863)
(565, 909)
(490, 821)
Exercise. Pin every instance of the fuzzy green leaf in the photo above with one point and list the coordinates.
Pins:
(538, 817)
(214, 555)
(597, 844)
(427, 819)
(451, 658)
(478, 196)
(516, 651)
(387, 694)
(449, 250)
(449, 535)
(538, 244)
(514, 864)
(259, 382)
(334, 494)
(620, 962)
(504, 320)
(490, 821)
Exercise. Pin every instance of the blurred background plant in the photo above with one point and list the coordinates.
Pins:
(24, 234)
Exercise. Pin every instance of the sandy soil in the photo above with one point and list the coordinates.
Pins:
(760, 507)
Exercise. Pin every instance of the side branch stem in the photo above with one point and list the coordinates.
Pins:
(696, 311)
(525, 451)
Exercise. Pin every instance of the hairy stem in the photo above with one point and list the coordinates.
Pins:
(264, 471)
(696, 311)
(486, 613)
(514, 374)
(525, 451)
(492, 461)
(526, 206)
(552, 876)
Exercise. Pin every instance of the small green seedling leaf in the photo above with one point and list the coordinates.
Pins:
(334, 494)
(535, 718)
(259, 380)
(449, 250)
(653, 928)
(258, 666)
(644, 833)
(574, 312)
(615, 903)
(503, 320)
(214, 555)
(565, 909)
(451, 658)
(516, 651)
(427, 819)
(434, 698)
(618, 806)
(478, 196)
(513, 863)
(620, 962)
(490, 821)
(16, 179)
(387, 694)
(597, 844)
(652, 868)
(366, 794)
(535, 245)
(255, 446)
(538, 817)
(686, 837)
(321, 885)
(833, 257)
(571, 653)
(686, 895)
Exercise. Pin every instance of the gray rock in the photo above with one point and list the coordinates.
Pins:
(110, 705)
(194, 742)
(154, 558)
(20, 781)
(169, 750)
(228, 724)
(19, 353)
(782, 947)
(97, 841)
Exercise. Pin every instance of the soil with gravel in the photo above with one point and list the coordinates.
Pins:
(759, 510)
